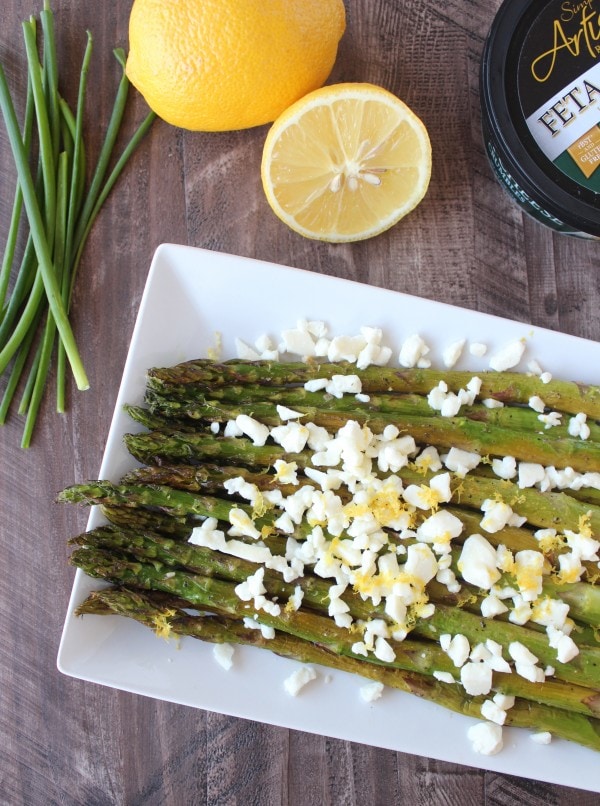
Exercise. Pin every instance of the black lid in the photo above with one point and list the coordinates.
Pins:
(507, 97)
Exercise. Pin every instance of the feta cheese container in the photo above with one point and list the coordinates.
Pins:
(540, 98)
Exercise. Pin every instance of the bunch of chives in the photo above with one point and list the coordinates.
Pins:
(59, 210)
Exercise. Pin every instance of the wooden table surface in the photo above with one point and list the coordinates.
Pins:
(63, 741)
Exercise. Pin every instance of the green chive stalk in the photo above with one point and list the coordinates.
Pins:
(59, 214)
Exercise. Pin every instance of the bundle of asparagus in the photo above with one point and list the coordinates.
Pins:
(246, 513)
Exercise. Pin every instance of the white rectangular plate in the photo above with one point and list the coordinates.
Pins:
(191, 295)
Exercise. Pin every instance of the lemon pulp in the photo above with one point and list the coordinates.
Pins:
(346, 162)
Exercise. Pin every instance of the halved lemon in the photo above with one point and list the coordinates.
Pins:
(346, 162)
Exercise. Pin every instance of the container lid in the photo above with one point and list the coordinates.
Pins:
(541, 94)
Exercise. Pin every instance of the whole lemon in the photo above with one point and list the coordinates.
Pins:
(217, 65)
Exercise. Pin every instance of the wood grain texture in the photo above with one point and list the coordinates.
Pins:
(66, 742)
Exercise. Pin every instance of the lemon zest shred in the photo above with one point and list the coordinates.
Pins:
(267, 530)
(161, 623)
(585, 525)
(261, 506)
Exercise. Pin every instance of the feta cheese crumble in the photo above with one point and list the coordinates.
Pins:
(452, 353)
(299, 679)
(578, 426)
(371, 691)
(543, 737)
(223, 654)
(413, 352)
(478, 349)
(486, 738)
(509, 356)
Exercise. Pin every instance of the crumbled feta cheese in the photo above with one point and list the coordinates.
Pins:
(322, 347)
(452, 353)
(288, 414)
(318, 437)
(395, 608)
(439, 529)
(583, 544)
(492, 606)
(298, 341)
(456, 647)
(537, 404)
(257, 432)
(208, 535)
(242, 524)
(316, 384)
(245, 352)
(232, 429)
(545, 377)
(497, 515)
(371, 691)
(437, 395)
(480, 652)
(264, 343)
(292, 437)
(492, 403)
(530, 474)
(286, 472)
(298, 679)
(478, 349)
(223, 654)
(578, 426)
(504, 701)
(360, 648)
(505, 468)
(509, 356)
(383, 650)
(543, 737)
(412, 351)
(461, 462)
(570, 566)
(444, 677)
(474, 386)
(214, 428)
(476, 678)
(252, 589)
(429, 459)
(492, 712)
(247, 551)
(521, 610)
(550, 612)
(373, 353)
(238, 485)
(345, 348)
(497, 663)
(528, 570)
(486, 738)
(316, 328)
(451, 405)
(266, 630)
(339, 385)
(520, 654)
(550, 420)
(566, 648)
(284, 523)
(530, 672)
(477, 562)
(420, 563)
(252, 586)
